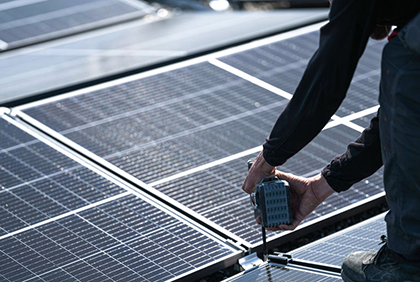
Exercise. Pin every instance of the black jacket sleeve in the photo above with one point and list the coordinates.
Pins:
(325, 81)
(362, 158)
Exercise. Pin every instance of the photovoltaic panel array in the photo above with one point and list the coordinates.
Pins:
(282, 64)
(38, 182)
(64, 221)
(187, 130)
(174, 120)
(333, 249)
(269, 272)
(26, 22)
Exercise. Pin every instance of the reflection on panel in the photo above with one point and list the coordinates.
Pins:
(26, 22)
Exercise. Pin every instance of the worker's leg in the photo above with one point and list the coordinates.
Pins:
(399, 123)
(399, 126)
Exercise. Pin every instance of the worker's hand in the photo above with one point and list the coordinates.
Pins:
(259, 170)
(306, 194)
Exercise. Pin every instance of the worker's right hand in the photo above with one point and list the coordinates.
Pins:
(305, 194)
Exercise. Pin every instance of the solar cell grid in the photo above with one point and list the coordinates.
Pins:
(37, 182)
(234, 114)
(76, 224)
(283, 63)
(364, 121)
(333, 249)
(125, 239)
(179, 88)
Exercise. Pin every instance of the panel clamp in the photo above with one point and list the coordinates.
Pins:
(250, 262)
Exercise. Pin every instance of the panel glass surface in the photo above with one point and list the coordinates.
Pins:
(37, 182)
(127, 239)
(23, 22)
(334, 248)
(172, 121)
(60, 221)
(283, 63)
(281, 274)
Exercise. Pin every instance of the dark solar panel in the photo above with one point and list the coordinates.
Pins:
(282, 64)
(270, 273)
(37, 182)
(124, 240)
(23, 22)
(154, 127)
(192, 116)
(62, 220)
(333, 249)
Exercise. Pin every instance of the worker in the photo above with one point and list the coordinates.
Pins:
(392, 138)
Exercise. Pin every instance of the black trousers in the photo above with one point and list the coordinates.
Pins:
(399, 125)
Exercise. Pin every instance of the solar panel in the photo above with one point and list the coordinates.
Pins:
(192, 116)
(282, 64)
(333, 249)
(64, 219)
(186, 131)
(26, 22)
(365, 120)
(270, 272)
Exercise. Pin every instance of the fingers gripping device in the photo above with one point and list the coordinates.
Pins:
(271, 202)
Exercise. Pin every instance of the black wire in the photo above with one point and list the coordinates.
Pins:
(265, 251)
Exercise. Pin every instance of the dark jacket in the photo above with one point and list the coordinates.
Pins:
(324, 86)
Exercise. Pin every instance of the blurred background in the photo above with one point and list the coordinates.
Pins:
(48, 47)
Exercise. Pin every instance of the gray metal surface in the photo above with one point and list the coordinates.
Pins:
(64, 220)
(28, 22)
(333, 249)
(168, 130)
